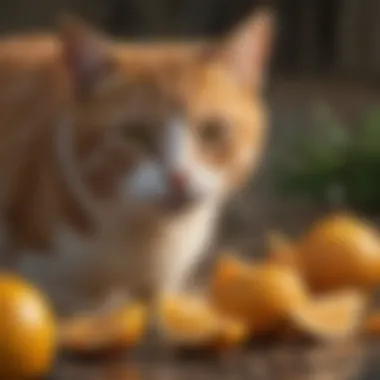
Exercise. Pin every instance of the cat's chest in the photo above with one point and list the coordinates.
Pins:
(162, 256)
(184, 237)
(155, 258)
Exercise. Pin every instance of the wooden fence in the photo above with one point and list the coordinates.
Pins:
(316, 37)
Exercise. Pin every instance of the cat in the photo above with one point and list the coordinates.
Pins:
(116, 158)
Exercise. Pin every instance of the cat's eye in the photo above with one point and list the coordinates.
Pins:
(212, 132)
(138, 134)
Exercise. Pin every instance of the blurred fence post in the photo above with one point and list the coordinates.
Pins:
(346, 39)
(308, 27)
(140, 18)
(374, 38)
(309, 47)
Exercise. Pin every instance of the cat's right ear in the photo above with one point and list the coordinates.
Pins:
(246, 51)
(85, 53)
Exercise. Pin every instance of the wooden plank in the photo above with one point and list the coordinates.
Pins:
(287, 362)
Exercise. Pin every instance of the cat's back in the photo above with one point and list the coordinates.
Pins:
(28, 66)
(27, 49)
(26, 63)
(30, 98)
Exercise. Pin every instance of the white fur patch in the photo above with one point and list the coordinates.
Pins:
(61, 273)
(146, 182)
(186, 242)
(150, 180)
(181, 157)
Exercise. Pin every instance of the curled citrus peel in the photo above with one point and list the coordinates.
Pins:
(259, 294)
(103, 334)
(281, 250)
(189, 321)
(329, 317)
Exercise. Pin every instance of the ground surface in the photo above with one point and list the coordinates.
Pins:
(354, 360)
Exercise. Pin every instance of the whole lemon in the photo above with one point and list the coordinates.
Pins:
(340, 251)
(261, 295)
(27, 330)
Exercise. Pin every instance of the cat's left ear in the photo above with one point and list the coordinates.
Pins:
(85, 53)
(247, 49)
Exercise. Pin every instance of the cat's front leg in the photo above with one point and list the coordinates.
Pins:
(152, 341)
(180, 274)
(116, 300)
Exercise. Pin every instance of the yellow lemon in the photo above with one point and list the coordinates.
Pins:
(27, 330)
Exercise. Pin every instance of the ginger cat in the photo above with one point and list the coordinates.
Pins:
(116, 159)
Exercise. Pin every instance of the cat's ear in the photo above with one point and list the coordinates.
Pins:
(84, 51)
(247, 49)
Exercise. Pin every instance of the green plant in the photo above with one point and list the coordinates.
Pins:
(330, 164)
(316, 158)
(362, 170)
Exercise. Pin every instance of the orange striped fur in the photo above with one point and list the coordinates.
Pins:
(116, 159)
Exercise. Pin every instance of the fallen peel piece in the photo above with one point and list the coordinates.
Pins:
(189, 321)
(105, 334)
(331, 317)
(281, 249)
(259, 293)
(232, 332)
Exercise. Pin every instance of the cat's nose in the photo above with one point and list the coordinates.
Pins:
(179, 194)
(178, 181)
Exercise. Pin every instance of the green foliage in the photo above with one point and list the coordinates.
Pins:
(328, 157)
(362, 171)
(317, 158)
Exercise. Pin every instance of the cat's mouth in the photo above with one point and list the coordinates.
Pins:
(179, 202)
